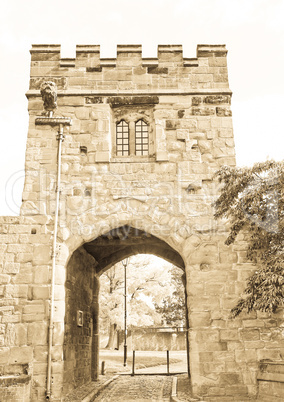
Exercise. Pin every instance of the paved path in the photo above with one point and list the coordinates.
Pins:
(141, 388)
(163, 369)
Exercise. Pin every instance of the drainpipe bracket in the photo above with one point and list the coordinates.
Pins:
(53, 121)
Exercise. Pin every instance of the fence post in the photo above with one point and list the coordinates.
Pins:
(168, 362)
(103, 368)
(133, 363)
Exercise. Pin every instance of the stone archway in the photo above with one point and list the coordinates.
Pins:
(124, 241)
(87, 263)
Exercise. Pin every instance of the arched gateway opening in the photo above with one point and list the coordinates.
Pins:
(87, 263)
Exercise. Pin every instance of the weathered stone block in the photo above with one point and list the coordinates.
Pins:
(229, 378)
(224, 356)
(11, 318)
(217, 99)
(253, 323)
(217, 61)
(215, 346)
(208, 335)
(41, 292)
(11, 267)
(41, 255)
(250, 334)
(42, 274)
(37, 333)
(24, 257)
(34, 308)
(15, 291)
(182, 134)
(271, 354)
(4, 279)
(102, 156)
(221, 111)
(254, 344)
(245, 356)
(199, 111)
(216, 391)
(71, 101)
(196, 100)
(228, 257)
(20, 334)
(229, 334)
(33, 317)
(220, 78)
(206, 356)
(39, 368)
(200, 319)
(59, 310)
(162, 156)
(4, 355)
(157, 70)
(237, 390)
(205, 254)
(21, 355)
(59, 292)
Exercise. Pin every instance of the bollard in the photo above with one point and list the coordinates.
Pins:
(133, 363)
(103, 368)
(168, 362)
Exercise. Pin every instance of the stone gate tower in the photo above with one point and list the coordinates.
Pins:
(121, 162)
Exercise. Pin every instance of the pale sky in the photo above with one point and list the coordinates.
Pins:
(253, 31)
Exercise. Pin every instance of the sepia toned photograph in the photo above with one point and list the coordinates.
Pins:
(142, 201)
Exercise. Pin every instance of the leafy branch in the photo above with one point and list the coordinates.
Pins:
(253, 200)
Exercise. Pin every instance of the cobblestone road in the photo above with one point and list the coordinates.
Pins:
(138, 388)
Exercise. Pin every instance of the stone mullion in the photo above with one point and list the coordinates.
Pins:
(131, 138)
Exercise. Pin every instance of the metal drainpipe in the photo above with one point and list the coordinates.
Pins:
(183, 278)
(60, 138)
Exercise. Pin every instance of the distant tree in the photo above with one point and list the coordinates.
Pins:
(253, 200)
(148, 280)
(172, 307)
(111, 294)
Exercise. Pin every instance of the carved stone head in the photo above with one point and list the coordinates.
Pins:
(48, 91)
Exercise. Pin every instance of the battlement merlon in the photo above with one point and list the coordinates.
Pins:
(170, 53)
(129, 71)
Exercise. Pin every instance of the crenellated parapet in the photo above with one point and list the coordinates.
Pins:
(129, 71)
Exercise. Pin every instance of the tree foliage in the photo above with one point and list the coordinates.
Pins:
(172, 307)
(148, 281)
(253, 200)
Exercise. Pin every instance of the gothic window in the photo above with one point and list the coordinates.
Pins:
(122, 138)
(141, 138)
(133, 134)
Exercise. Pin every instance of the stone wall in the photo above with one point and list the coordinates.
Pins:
(167, 195)
(156, 339)
(271, 381)
(78, 329)
(24, 294)
(15, 388)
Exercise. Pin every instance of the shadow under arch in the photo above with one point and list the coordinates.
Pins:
(125, 241)
(83, 270)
